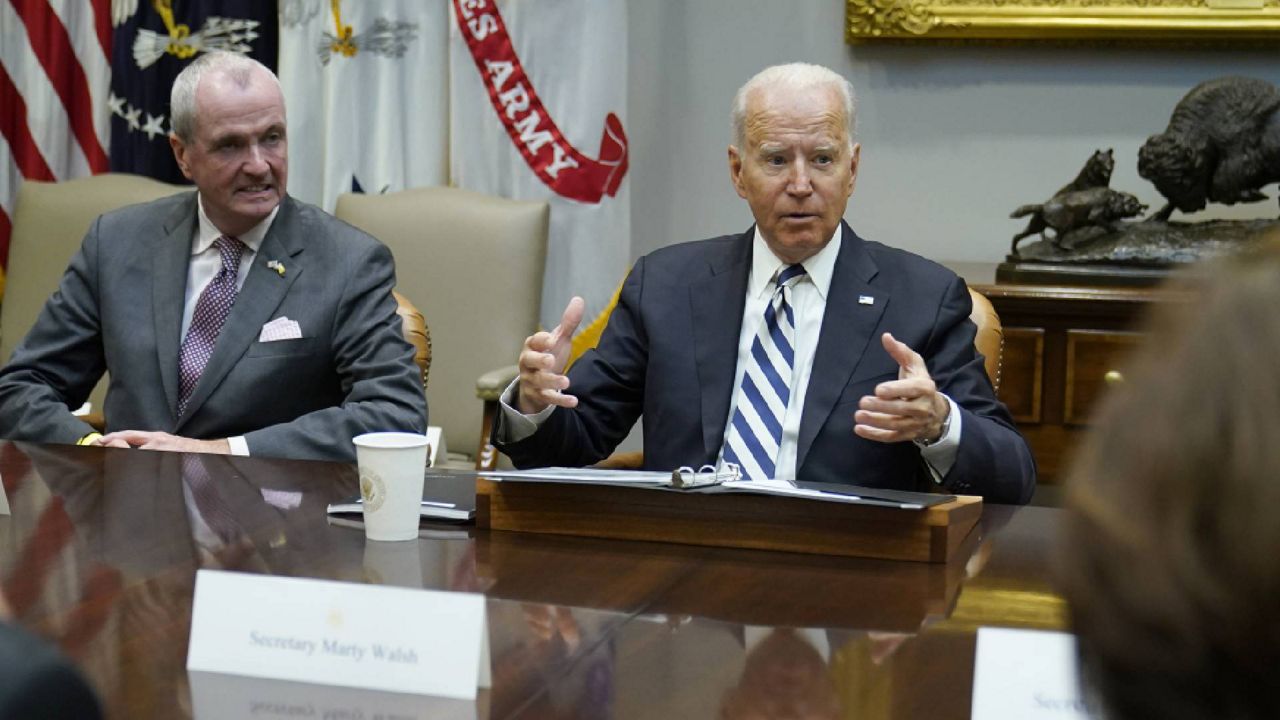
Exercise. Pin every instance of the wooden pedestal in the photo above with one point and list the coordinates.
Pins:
(728, 520)
(1063, 348)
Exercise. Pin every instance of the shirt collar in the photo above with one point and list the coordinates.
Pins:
(207, 233)
(764, 265)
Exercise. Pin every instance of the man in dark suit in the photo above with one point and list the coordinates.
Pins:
(789, 350)
(231, 320)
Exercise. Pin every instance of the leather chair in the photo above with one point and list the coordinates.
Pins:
(49, 222)
(474, 263)
(989, 342)
(414, 327)
(990, 338)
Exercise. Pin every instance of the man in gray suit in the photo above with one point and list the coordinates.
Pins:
(234, 319)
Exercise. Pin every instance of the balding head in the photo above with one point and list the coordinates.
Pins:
(238, 69)
(794, 76)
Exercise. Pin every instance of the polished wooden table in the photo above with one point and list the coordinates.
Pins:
(100, 551)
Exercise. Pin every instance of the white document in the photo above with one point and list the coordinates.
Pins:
(421, 642)
(1026, 675)
(706, 479)
(4, 500)
(786, 489)
(587, 476)
(685, 477)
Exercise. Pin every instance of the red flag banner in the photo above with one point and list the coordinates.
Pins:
(562, 167)
(54, 76)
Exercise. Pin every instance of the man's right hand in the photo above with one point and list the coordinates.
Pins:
(542, 363)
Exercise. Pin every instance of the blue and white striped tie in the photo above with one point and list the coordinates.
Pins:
(756, 428)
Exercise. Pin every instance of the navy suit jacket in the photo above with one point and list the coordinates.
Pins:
(669, 353)
(119, 309)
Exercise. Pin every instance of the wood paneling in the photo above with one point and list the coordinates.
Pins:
(1095, 360)
(1021, 372)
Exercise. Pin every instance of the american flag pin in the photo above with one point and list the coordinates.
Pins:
(866, 300)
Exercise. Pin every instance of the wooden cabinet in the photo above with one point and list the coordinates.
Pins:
(1095, 360)
(1063, 346)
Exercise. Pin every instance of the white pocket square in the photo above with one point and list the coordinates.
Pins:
(282, 328)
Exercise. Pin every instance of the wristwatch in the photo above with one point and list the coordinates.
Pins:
(946, 425)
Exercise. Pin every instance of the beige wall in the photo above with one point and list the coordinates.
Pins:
(953, 138)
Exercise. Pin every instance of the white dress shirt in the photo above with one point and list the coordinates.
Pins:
(205, 263)
(809, 304)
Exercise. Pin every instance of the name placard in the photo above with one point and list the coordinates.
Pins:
(1026, 675)
(422, 642)
(436, 450)
(214, 695)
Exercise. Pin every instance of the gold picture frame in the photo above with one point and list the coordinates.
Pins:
(1069, 20)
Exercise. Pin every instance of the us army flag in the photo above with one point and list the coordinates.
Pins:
(365, 87)
(538, 107)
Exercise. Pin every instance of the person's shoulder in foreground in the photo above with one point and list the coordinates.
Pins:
(1167, 557)
(37, 682)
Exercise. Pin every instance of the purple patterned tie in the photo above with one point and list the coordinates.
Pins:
(206, 321)
(209, 503)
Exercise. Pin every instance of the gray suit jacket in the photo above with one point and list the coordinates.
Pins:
(119, 309)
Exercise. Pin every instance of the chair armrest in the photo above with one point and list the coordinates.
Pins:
(490, 385)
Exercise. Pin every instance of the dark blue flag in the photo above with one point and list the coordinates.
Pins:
(149, 50)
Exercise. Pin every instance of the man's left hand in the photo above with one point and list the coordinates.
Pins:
(909, 408)
(145, 440)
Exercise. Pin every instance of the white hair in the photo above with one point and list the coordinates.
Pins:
(800, 76)
(182, 98)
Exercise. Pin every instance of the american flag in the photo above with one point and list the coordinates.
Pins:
(55, 75)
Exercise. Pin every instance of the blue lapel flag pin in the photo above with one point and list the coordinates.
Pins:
(277, 266)
(866, 300)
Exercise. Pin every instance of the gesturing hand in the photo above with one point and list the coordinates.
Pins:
(542, 363)
(909, 408)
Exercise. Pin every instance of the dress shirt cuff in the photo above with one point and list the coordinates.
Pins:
(240, 446)
(940, 455)
(513, 425)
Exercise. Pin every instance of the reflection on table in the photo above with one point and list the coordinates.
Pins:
(100, 551)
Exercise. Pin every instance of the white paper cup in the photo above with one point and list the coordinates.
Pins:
(392, 465)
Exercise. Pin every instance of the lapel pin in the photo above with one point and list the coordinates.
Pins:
(862, 299)
(277, 266)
